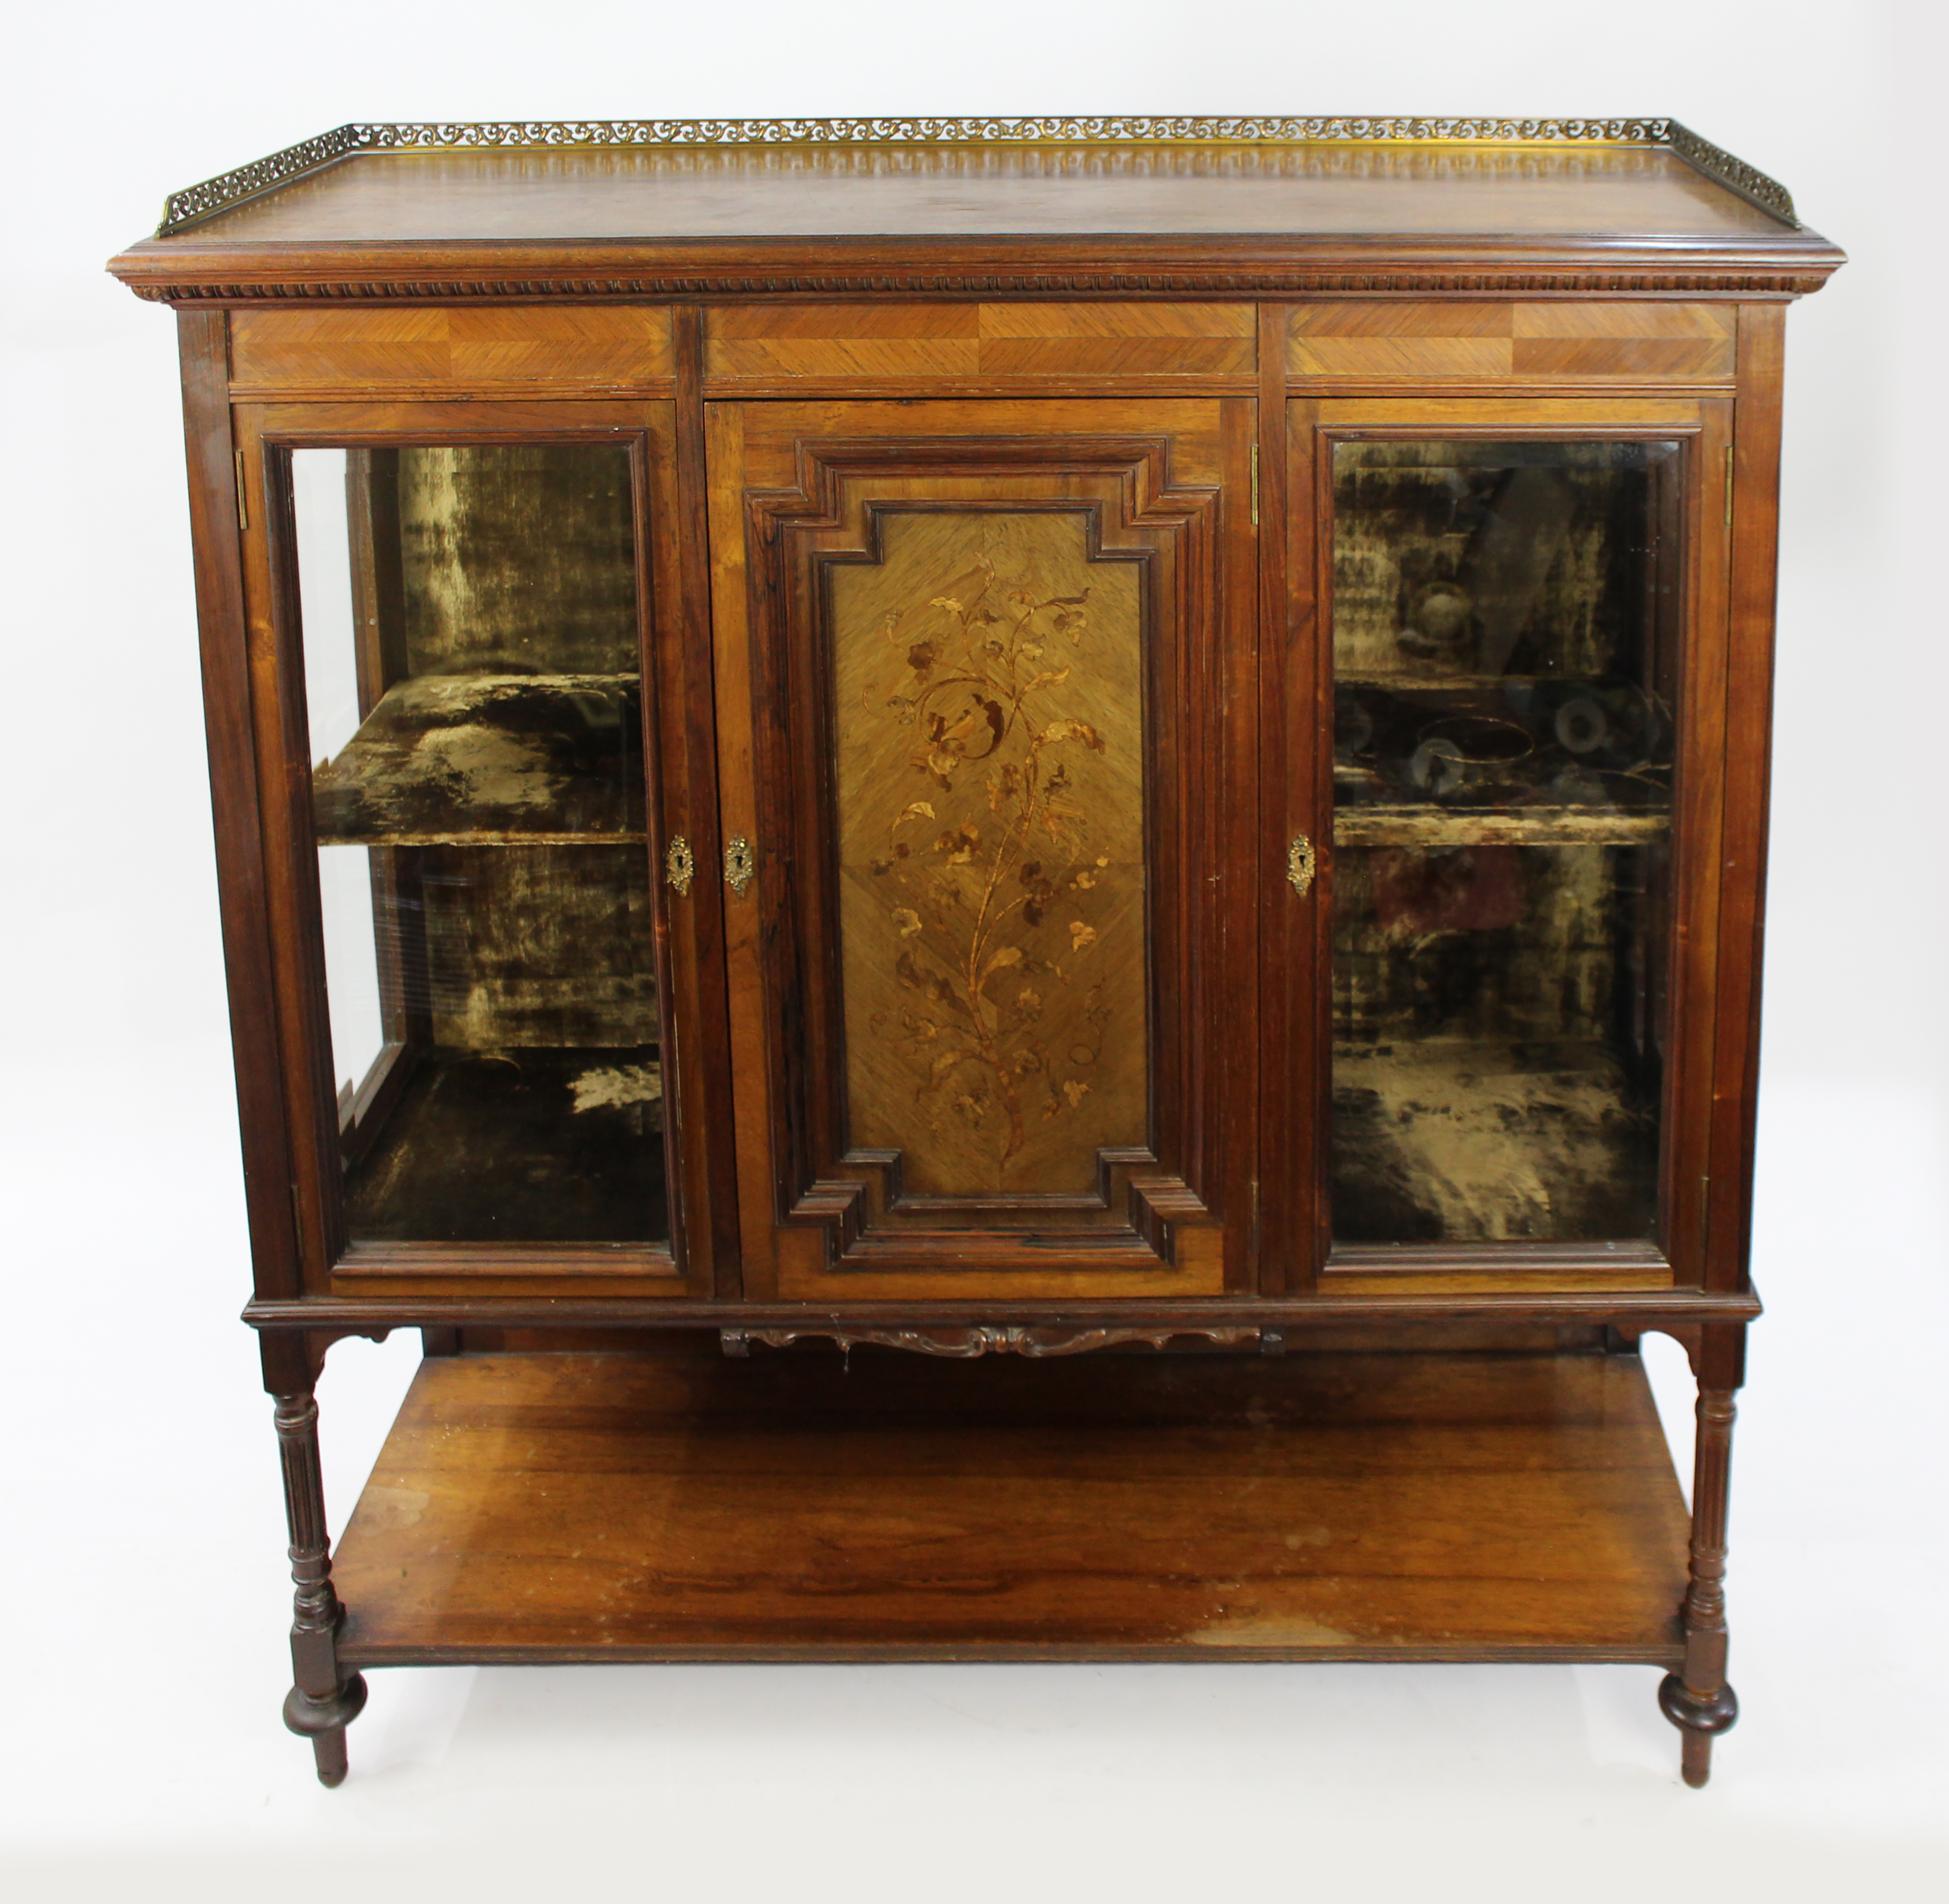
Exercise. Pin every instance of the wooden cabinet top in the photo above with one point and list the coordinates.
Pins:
(1061, 206)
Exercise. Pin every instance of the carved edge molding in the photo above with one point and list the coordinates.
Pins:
(1775, 284)
(181, 210)
(965, 1344)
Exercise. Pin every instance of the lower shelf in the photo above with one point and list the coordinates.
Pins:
(653, 1506)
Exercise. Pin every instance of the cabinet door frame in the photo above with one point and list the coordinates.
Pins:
(674, 674)
(1301, 1251)
(821, 1218)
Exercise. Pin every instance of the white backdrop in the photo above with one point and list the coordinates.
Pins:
(143, 1579)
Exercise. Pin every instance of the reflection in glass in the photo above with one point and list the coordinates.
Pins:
(1505, 637)
(474, 707)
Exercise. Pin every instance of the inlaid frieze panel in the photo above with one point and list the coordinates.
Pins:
(437, 349)
(1613, 343)
(1007, 343)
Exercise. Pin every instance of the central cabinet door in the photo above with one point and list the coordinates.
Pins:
(983, 673)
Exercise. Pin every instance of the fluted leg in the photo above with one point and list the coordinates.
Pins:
(325, 1699)
(1699, 1701)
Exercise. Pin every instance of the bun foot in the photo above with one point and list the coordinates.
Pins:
(1700, 1719)
(324, 1721)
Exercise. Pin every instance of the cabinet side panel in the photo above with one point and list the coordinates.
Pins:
(234, 798)
(1750, 728)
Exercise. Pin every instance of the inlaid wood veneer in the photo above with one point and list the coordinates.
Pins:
(1413, 343)
(398, 350)
(1001, 341)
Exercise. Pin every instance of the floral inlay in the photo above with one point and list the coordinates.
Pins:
(991, 831)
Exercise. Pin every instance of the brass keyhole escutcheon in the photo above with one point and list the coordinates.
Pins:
(679, 866)
(740, 863)
(1300, 865)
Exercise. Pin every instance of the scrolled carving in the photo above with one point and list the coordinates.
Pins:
(965, 1343)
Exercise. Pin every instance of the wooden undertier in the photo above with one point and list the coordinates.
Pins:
(548, 1507)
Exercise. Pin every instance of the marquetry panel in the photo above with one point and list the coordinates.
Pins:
(970, 659)
(1544, 343)
(1006, 344)
(988, 680)
(402, 348)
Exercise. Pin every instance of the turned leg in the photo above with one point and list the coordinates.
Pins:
(325, 1698)
(1698, 1700)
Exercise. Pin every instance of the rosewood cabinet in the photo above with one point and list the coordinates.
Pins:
(1011, 869)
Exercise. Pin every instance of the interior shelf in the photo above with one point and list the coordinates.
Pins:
(1407, 681)
(523, 1145)
(1425, 824)
(482, 759)
(678, 1504)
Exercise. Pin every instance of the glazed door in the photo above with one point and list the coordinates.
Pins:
(466, 633)
(1505, 730)
(986, 731)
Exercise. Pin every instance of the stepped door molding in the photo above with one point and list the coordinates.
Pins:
(972, 681)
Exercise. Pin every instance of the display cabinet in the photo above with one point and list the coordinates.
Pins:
(1011, 869)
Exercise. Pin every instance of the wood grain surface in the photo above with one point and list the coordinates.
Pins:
(1122, 1506)
(1016, 344)
(430, 350)
(1410, 343)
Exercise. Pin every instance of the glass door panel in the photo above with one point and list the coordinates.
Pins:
(1505, 624)
(474, 707)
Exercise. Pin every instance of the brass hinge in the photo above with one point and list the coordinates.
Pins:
(243, 507)
(1255, 485)
(1254, 1246)
(1729, 486)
